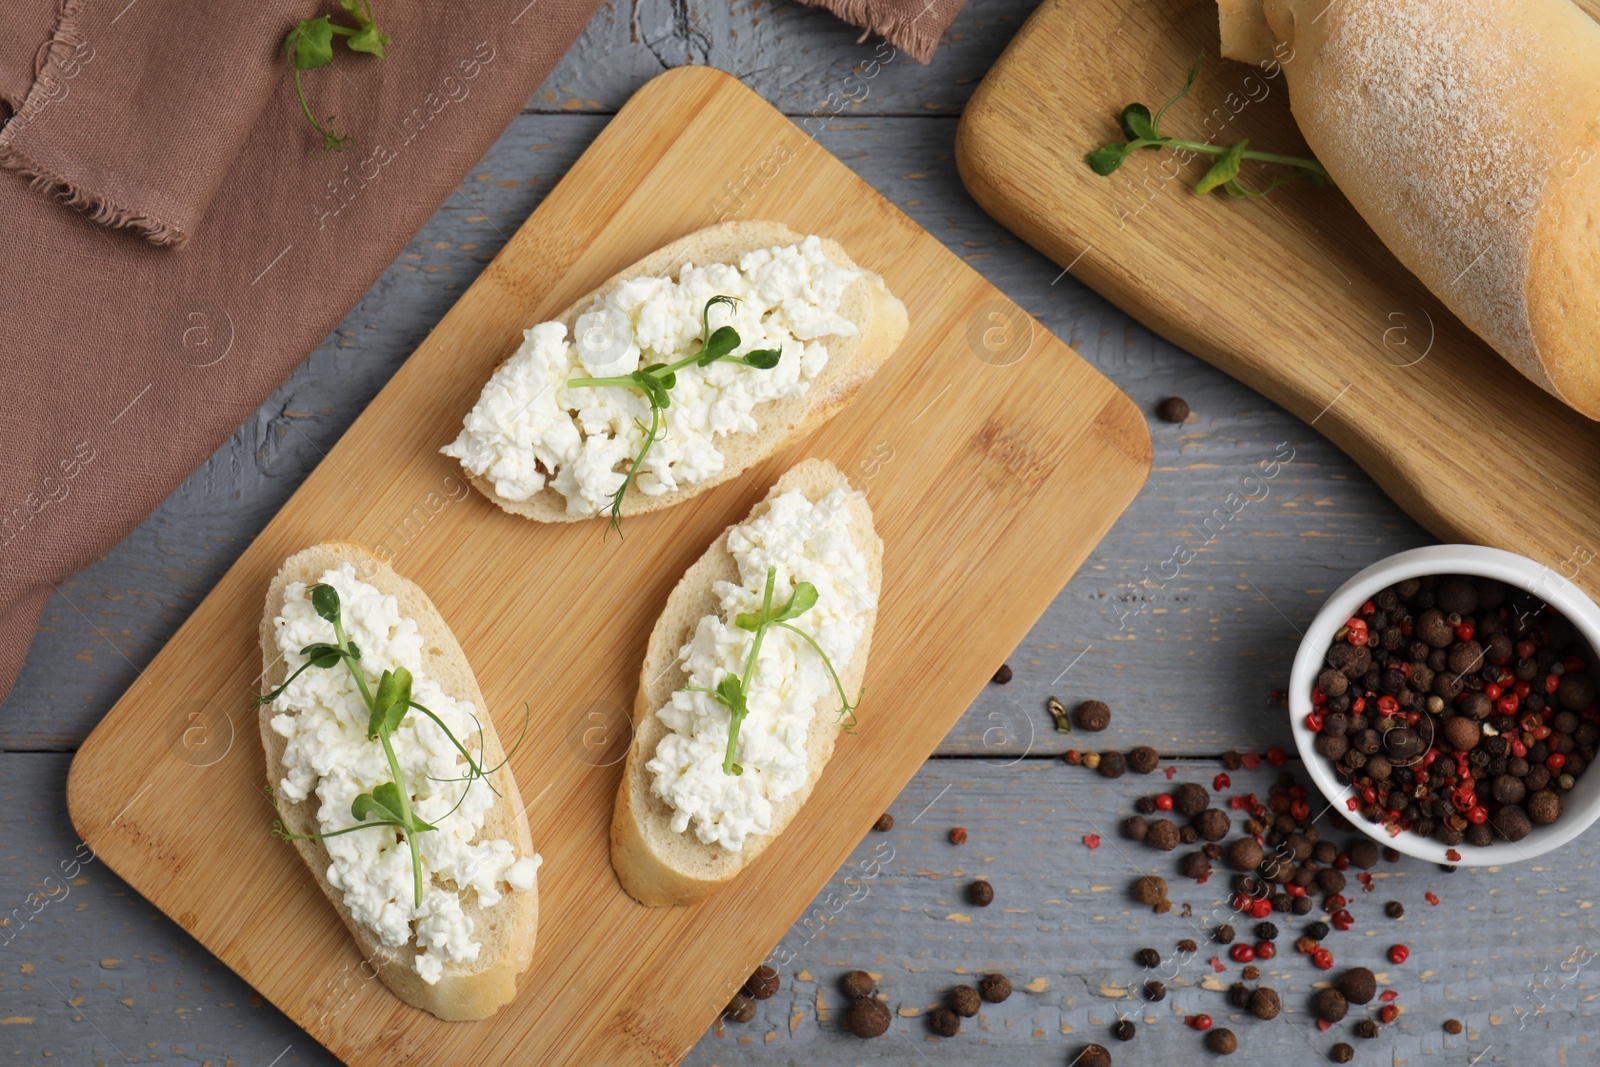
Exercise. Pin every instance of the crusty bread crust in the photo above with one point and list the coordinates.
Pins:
(880, 320)
(1467, 134)
(655, 865)
(506, 931)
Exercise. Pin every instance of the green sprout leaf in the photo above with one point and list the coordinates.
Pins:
(1224, 170)
(658, 379)
(386, 802)
(310, 44)
(325, 599)
(390, 703)
(1143, 130)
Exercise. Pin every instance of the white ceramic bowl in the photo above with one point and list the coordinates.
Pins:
(1580, 805)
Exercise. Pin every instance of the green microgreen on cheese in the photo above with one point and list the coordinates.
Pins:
(309, 45)
(657, 380)
(1142, 130)
(388, 804)
(732, 692)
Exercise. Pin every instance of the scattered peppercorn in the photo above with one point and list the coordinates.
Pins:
(944, 1022)
(1173, 409)
(1239, 995)
(1250, 974)
(981, 893)
(1232, 760)
(1398, 954)
(994, 988)
(857, 984)
(1148, 957)
(1363, 854)
(884, 824)
(762, 984)
(1190, 799)
(1114, 764)
(1224, 934)
(1002, 676)
(1213, 824)
(1452, 1026)
(1317, 931)
(1222, 1042)
(958, 836)
(1265, 1003)
(1394, 909)
(1188, 945)
(1094, 715)
(1358, 985)
(1155, 991)
(1195, 865)
(867, 1018)
(964, 1001)
(1093, 1056)
(1341, 1053)
(1151, 890)
(1163, 835)
(1123, 1030)
(741, 1009)
(1091, 760)
(1329, 1005)
(1366, 1028)
(1267, 931)
(1143, 760)
(1245, 854)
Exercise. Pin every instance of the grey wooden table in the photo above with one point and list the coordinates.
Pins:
(1189, 664)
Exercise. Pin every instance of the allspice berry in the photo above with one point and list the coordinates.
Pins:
(1341, 1053)
(762, 984)
(1265, 1003)
(1190, 799)
(1123, 1030)
(1113, 764)
(1150, 890)
(1093, 1056)
(1173, 409)
(1245, 854)
(1003, 676)
(741, 1009)
(1143, 760)
(1163, 835)
(1363, 854)
(1195, 865)
(867, 1018)
(1213, 824)
(981, 893)
(1222, 1042)
(1155, 991)
(884, 824)
(1135, 827)
(1513, 822)
(964, 1001)
(944, 1022)
(1358, 985)
(1094, 715)
(857, 984)
(1544, 807)
(1329, 1005)
(994, 988)
(1366, 1028)
(1452, 1026)
(1462, 733)
(1224, 934)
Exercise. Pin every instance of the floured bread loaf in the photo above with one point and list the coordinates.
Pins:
(1467, 133)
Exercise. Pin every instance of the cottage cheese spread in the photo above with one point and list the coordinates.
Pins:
(529, 430)
(791, 686)
(324, 721)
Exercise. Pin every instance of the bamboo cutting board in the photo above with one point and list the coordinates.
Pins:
(994, 459)
(1293, 295)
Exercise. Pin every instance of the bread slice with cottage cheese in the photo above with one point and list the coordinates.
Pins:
(656, 864)
(880, 324)
(505, 931)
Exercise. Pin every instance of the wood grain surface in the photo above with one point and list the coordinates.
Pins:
(1293, 295)
(1016, 454)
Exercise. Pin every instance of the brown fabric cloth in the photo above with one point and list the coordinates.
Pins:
(124, 364)
(913, 26)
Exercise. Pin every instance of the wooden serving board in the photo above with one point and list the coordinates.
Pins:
(1293, 295)
(994, 459)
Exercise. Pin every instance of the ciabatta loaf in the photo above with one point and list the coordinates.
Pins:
(879, 320)
(656, 864)
(1467, 133)
(505, 930)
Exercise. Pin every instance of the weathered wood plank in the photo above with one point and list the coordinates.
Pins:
(1195, 657)
(1062, 928)
(802, 59)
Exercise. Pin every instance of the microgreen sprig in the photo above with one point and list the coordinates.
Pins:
(1143, 131)
(386, 710)
(657, 380)
(310, 45)
(733, 691)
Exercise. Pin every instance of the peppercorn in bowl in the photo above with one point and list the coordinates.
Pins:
(1444, 701)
